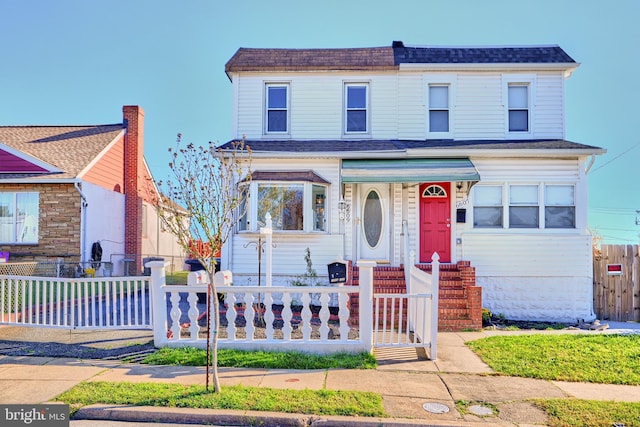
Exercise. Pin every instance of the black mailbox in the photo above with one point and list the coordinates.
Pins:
(337, 272)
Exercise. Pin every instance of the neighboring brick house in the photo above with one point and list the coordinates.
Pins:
(370, 153)
(64, 188)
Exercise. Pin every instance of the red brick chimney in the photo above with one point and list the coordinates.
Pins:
(133, 117)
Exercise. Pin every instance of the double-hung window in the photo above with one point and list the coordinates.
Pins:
(518, 107)
(560, 209)
(356, 107)
(438, 108)
(487, 210)
(518, 97)
(277, 108)
(523, 206)
(526, 205)
(19, 217)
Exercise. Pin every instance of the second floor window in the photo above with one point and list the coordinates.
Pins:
(438, 108)
(277, 108)
(356, 108)
(518, 108)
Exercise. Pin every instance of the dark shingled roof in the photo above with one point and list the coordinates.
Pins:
(337, 146)
(389, 58)
(481, 55)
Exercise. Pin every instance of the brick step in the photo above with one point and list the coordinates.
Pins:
(453, 303)
(452, 293)
(451, 283)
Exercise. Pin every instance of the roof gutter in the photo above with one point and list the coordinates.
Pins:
(567, 66)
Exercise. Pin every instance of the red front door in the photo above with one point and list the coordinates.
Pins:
(435, 221)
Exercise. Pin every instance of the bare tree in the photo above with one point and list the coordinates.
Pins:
(210, 184)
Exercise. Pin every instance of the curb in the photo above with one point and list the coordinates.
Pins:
(150, 414)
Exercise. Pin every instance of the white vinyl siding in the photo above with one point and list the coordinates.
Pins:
(549, 120)
(398, 104)
(411, 107)
(531, 254)
(478, 110)
(288, 256)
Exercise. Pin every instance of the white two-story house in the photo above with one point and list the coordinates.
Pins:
(370, 153)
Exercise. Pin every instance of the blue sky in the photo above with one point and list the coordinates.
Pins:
(79, 62)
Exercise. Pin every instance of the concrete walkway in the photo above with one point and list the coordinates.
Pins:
(414, 389)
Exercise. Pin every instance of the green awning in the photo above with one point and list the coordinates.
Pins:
(409, 170)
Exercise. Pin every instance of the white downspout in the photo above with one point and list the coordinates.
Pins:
(83, 222)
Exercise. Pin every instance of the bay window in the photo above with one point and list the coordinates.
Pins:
(293, 205)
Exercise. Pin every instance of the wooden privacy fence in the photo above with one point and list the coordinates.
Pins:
(616, 285)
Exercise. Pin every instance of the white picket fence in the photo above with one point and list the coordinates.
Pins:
(253, 318)
(98, 303)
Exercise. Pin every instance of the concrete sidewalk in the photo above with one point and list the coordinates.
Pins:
(414, 390)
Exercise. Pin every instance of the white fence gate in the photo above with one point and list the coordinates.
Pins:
(88, 303)
(410, 319)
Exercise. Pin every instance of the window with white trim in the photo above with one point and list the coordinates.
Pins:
(294, 206)
(518, 98)
(356, 107)
(19, 217)
(523, 206)
(277, 108)
(487, 206)
(560, 209)
(438, 108)
(527, 203)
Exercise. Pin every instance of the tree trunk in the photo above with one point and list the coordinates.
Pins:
(214, 336)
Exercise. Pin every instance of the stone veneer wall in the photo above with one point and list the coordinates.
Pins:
(59, 224)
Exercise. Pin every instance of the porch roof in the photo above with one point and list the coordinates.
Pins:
(409, 170)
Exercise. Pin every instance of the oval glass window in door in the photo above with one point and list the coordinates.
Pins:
(372, 218)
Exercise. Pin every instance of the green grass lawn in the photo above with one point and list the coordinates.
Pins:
(189, 356)
(318, 402)
(602, 358)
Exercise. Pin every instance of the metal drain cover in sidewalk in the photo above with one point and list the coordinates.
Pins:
(435, 408)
